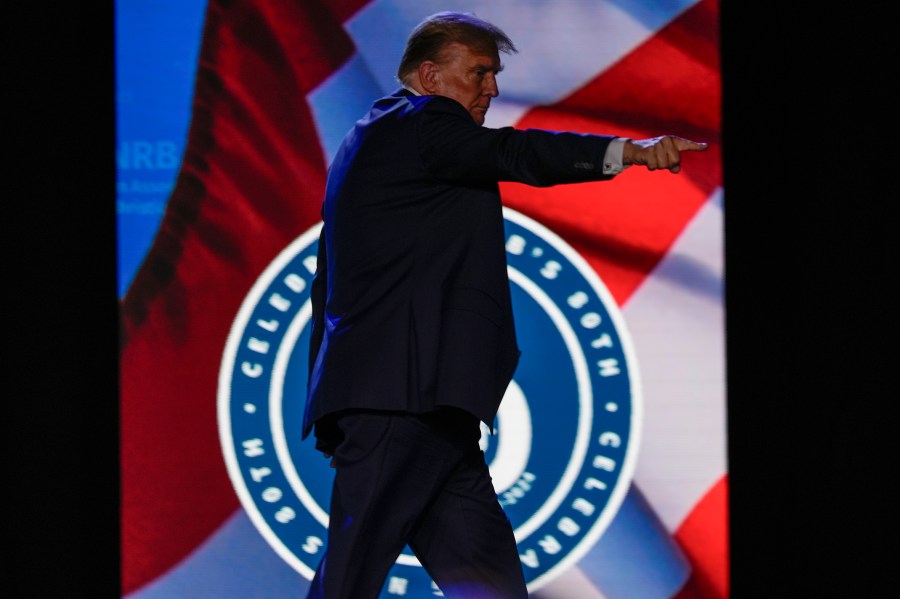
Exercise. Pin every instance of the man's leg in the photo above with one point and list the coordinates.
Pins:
(465, 540)
(387, 469)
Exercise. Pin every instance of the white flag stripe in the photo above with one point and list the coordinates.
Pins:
(570, 584)
(676, 320)
(339, 101)
(562, 44)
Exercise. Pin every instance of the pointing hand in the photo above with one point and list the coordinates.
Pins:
(660, 152)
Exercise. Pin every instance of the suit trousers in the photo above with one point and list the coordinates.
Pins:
(418, 480)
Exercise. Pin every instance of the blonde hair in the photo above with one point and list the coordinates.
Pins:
(431, 36)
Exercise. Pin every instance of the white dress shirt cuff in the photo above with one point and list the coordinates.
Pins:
(612, 160)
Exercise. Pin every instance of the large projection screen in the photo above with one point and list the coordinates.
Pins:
(610, 457)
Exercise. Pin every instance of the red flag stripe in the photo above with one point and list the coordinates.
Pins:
(252, 180)
(670, 84)
(704, 538)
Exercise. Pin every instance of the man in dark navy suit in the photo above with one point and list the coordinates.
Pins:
(413, 343)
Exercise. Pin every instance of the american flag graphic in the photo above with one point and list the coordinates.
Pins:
(278, 83)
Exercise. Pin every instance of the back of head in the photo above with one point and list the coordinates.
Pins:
(439, 30)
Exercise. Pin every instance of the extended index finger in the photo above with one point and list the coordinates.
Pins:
(687, 145)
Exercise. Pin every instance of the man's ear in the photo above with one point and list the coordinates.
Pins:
(430, 77)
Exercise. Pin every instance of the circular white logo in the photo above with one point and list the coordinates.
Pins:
(567, 430)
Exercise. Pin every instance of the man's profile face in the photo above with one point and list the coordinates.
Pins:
(469, 77)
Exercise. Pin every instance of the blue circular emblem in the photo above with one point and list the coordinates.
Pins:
(563, 456)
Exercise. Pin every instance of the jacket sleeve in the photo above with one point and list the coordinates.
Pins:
(455, 148)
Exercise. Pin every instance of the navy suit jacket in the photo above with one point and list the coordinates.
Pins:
(411, 300)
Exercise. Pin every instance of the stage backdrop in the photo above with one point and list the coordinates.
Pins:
(610, 456)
